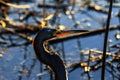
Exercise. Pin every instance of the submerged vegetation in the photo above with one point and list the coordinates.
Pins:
(82, 53)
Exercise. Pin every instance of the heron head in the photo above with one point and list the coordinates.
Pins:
(48, 33)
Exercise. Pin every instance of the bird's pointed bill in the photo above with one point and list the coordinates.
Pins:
(68, 32)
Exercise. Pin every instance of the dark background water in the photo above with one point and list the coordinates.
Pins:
(20, 62)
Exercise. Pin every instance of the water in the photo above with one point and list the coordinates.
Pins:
(20, 63)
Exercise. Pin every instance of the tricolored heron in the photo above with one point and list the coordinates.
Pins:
(50, 58)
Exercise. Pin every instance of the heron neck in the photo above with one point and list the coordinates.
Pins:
(48, 58)
(46, 46)
(40, 50)
(61, 76)
(60, 72)
(42, 45)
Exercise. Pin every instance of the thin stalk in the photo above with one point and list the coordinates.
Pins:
(105, 41)
(63, 52)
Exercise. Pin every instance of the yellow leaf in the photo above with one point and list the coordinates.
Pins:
(87, 68)
(43, 24)
(93, 58)
(49, 17)
(98, 8)
(70, 16)
(2, 23)
(100, 57)
(1, 54)
(117, 35)
(83, 64)
(61, 27)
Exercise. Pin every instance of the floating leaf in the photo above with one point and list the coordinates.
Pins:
(117, 35)
(87, 68)
(1, 54)
(86, 52)
(67, 12)
(98, 8)
(72, 12)
(43, 24)
(61, 27)
(88, 24)
(70, 16)
(100, 57)
(21, 17)
(110, 40)
(2, 23)
(59, 15)
(83, 64)
(49, 17)
(100, 52)
(92, 58)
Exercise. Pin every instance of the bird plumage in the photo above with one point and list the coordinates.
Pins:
(53, 60)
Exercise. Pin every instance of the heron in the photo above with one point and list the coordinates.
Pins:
(48, 57)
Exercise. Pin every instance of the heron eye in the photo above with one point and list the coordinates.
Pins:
(49, 30)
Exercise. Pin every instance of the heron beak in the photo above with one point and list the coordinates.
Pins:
(63, 34)
(68, 32)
